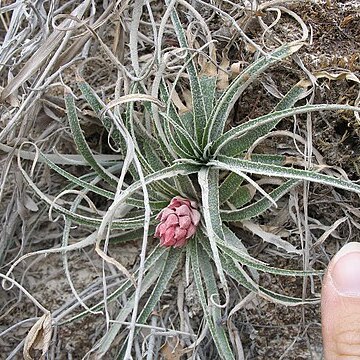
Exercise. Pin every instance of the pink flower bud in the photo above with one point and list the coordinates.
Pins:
(178, 222)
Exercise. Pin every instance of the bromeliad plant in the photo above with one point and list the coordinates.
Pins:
(184, 179)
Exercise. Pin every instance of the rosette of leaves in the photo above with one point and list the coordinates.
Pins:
(193, 155)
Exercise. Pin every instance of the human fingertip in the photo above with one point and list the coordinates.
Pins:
(344, 271)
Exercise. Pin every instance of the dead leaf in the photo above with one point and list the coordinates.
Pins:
(236, 68)
(172, 350)
(38, 337)
(42, 54)
(337, 76)
(329, 231)
(13, 97)
(250, 48)
(223, 79)
(347, 20)
(347, 75)
(271, 88)
(188, 98)
(30, 203)
(178, 103)
(208, 68)
(270, 238)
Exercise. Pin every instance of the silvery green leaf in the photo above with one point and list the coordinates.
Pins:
(216, 125)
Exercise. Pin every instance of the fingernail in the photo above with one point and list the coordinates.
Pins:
(345, 270)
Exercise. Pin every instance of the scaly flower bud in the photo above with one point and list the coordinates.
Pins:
(178, 222)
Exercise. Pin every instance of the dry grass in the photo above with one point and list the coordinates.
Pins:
(112, 44)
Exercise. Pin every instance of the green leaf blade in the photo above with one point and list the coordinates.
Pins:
(239, 165)
(216, 125)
